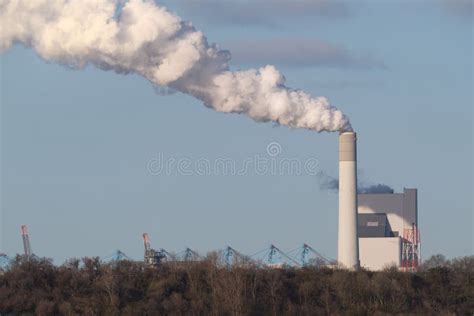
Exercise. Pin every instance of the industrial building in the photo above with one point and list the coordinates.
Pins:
(388, 230)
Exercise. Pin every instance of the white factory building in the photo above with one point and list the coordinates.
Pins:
(387, 230)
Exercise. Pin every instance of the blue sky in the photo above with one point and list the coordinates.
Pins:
(76, 146)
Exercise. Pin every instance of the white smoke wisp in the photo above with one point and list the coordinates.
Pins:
(141, 37)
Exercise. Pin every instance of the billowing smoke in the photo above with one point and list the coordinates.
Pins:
(374, 188)
(327, 182)
(141, 37)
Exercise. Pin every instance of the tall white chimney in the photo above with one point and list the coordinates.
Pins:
(348, 243)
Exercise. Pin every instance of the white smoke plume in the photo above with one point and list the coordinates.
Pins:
(327, 182)
(141, 37)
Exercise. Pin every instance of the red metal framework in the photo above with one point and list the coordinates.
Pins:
(411, 258)
(26, 241)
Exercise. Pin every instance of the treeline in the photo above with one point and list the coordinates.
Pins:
(209, 287)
